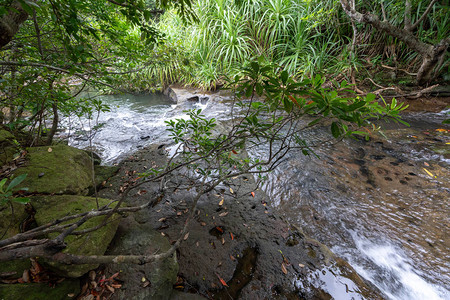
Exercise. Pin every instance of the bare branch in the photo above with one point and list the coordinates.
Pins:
(426, 12)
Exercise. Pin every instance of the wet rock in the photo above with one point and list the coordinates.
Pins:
(138, 239)
(241, 242)
(67, 170)
(49, 208)
(67, 289)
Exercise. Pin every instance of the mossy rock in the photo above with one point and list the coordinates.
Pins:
(7, 147)
(12, 227)
(5, 136)
(49, 208)
(103, 173)
(67, 289)
(58, 169)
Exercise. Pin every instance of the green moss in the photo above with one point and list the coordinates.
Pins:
(40, 291)
(103, 173)
(64, 170)
(11, 225)
(5, 136)
(49, 208)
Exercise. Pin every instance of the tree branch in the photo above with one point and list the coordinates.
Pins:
(426, 12)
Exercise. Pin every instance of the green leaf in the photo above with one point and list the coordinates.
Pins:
(2, 183)
(16, 181)
(370, 97)
(21, 200)
(335, 130)
(284, 77)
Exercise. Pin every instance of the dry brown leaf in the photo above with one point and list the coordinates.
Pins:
(179, 213)
(186, 236)
(232, 258)
(162, 220)
(146, 284)
(111, 289)
(92, 275)
(223, 241)
(223, 214)
(283, 268)
(26, 276)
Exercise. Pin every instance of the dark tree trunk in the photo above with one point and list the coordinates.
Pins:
(10, 22)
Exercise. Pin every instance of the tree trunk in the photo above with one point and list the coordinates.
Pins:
(10, 22)
(431, 54)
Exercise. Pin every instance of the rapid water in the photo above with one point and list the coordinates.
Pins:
(373, 203)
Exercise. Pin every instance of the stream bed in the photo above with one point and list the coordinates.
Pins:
(381, 204)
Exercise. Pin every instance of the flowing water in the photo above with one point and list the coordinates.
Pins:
(382, 205)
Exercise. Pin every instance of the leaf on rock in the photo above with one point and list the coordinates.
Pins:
(231, 191)
(253, 194)
(221, 202)
(223, 214)
(186, 236)
(283, 268)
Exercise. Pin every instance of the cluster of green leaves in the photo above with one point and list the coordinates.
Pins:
(6, 192)
(270, 104)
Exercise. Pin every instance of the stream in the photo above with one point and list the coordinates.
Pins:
(381, 204)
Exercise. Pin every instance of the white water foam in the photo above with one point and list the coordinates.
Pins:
(399, 280)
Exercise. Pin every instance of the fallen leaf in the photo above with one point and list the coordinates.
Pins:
(283, 268)
(253, 194)
(301, 265)
(231, 191)
(71, 295)
(223, 241)
(426, 164)
(232, 236)
(203, 223)
(26, 276)
(162, 220)
(219, 229)
(110, 288)
(50, 149)
(429, 173)
(223, 282)
(163, 234)
(223, 214)
(146, 284)
(197, 244)
(221, 202)
(179, 213)
(234, 151)
(186, 236)
(232, 258)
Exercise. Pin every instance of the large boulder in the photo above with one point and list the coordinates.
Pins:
(67, 289)
(58, 169)
(49, 208)
(10, 224)
(7, 146)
